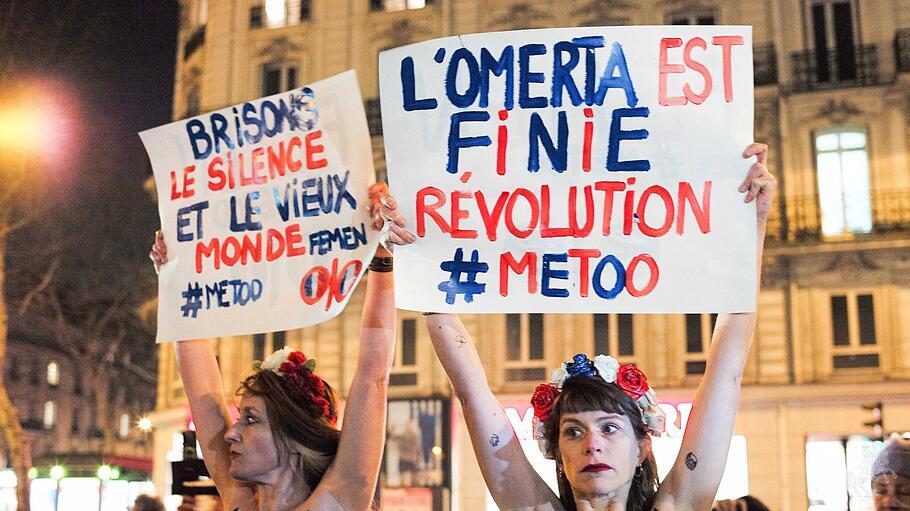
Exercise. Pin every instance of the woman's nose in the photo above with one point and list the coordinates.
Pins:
(232, 435)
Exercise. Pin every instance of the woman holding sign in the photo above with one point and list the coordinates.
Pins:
(286, 451)
(596, 416)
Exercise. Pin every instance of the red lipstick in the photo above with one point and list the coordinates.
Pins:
(597, 467)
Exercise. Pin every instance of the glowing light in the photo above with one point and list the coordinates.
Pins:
(104, 472)
(115, 473)
(145, 424)
(57, 472)
(437, 451)
(274, 12)
(32, 473)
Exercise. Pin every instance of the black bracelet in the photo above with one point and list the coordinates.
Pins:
(381, 264)
(428, 313)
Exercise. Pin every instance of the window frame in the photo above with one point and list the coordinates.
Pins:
(855, 346)
(839, 129)
(613, 336)
(523, 362)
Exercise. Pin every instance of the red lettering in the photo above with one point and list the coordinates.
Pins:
(257, 165)
(507, 262)
(312, 148)
(643, 226)
(702, 212)
(430, 209)
(665, 69)
(322, 284)
(510, 207)
(584, 256)
(652, 280)
(502, 141)
(188, 181)
(294, 239)
(217, 178)
(589, 136)
(277, 161)
(727, 42)
(211, 250)
(293, 164)
(698, 67)
(491, 220)
(458, 214)
(274, 244)
(230, 251)
(609, 188)
(589, 212)
(545, 230)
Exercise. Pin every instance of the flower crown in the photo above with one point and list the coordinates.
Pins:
(296, 370)
(630, 379)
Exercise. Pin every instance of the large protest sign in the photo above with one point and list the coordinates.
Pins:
(573, 170)
(264, 209)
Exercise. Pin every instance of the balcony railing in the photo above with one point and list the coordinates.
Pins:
(194, 42)
(902, 50)
(827, 68)
(764, 64)
(801, 219)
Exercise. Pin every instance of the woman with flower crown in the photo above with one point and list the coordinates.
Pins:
(286, 452)
(594, 419)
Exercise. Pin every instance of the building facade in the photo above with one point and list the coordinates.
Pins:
(832, 93)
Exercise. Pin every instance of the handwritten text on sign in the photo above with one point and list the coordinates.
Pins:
(263, 206)
(573, 170)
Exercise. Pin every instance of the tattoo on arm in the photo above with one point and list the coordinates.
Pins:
(460, 339)
(691, 461)
(494, 440)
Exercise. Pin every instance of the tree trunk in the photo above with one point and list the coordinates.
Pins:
(16, 442)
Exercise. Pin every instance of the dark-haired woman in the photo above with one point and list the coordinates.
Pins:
(594, 419)
(286, 452)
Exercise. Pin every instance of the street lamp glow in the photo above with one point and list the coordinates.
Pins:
(145, 424)
(104, 472)
(115, 473)
(32, 473)
(57, 472)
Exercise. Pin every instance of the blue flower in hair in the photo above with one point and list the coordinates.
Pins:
(581, 366)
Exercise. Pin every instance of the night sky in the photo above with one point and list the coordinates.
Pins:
(114, 63)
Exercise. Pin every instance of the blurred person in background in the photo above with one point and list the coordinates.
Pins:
(891, 476)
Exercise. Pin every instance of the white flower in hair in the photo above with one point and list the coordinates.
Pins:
(274, 361)
(559, 375)
(607, 367)
(540, 434)
(655, 419)
(647, 400)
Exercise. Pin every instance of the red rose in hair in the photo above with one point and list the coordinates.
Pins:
(632, 381)
(542, 400)
(297, 357)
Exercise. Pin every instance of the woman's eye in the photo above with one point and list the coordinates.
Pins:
(250, 419)
(610, 428)
(572, 432)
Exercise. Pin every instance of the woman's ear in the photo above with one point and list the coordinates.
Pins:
(644, 448)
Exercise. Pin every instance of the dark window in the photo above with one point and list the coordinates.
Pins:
(271, 80)
(74, 425)
(37, 371)
(292, 78)
(374, 116)
(683, 18)
(834, 41)
(305, 10)
(626, 337)
(855, 361)
(259, 347)
(696, 367)
(279, 339)
(513, 336)
(840, 325)
(535, 336)
(77, 384)
(526, 374)
(408, 342)
(866, 311)
(256, 16)
(601, 334)
(693, 333)
(400, 379)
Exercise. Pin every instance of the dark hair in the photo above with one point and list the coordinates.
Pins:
(147, 503)
(583, 394)
(297, 421)
(753, 504)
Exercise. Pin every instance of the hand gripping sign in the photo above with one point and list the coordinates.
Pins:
(573, 170)
(264, 209)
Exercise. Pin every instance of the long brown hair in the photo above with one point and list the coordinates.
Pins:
(297, 422)
(591, 394)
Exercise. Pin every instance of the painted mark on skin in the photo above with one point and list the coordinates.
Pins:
(460, 339)
(494, 440)
(691, 461)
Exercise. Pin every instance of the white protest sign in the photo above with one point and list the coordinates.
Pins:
(264, 210)
(573, 170)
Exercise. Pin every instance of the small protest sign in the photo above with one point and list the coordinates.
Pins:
(573, 170)
(264, 210)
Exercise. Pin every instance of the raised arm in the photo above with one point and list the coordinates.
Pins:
(510, 477)
(204, 390)
(352, 479)
(695, 477)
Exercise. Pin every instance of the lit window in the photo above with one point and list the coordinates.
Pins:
(398, 5)
(843, 181)
(853, 334)
(525, 347)
(53, 374)
(275, 12)
(838, 473)
(280, 13)
(50, 414)
(124, 429)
